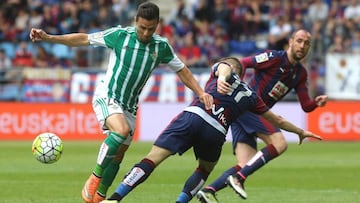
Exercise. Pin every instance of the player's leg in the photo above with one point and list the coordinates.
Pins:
(110, 174)
(276, 144)
(119, 130)
(207, 145)
(242, 135)
(196, 181)
(140, 172)
(118, 124)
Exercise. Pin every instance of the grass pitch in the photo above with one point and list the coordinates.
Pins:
(314, 172)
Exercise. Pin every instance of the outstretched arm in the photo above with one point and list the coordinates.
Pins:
(72, 40)
(188, 79)
(288, 126)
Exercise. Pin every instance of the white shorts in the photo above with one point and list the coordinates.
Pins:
(104, 107)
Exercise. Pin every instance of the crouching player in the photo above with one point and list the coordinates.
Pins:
(204, 130)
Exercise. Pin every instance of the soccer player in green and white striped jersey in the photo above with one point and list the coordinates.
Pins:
(135, 52)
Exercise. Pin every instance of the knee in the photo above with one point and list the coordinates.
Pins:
(280, 144)
(207, 168)
(123, 131)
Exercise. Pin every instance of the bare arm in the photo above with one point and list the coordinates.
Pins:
(288, 126)
(188, 79)
(72, 40)
(223, 73)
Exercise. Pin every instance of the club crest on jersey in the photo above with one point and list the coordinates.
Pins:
(261, 58)
(154, 55)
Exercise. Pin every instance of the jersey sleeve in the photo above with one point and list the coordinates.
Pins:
(302, 91)
(106, 38)
(247, 62)
(264, 60)
(170, 58)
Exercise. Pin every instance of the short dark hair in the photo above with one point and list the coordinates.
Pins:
(148, 11)
(234, 62)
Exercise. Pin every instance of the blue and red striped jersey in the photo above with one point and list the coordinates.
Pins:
(274, 77)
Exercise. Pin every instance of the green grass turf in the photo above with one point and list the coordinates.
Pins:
(315, 172)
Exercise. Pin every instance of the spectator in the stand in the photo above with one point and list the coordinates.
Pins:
(221, 13)
(352, 11)
(68, 17)
(204, 34)
(244, 19)
(279, 34)
(276, 10)
(185, 26)
(124, 11)
(178, 12)
(253, 19)
(81, 59)
(23, 57)
(355, 42)
(5, 63)
(51, 18)
(163, 28)
(219, 49)
(42, 58)
(203, 11)
(336, 10)
(213, 41)
(21, 23)
(87, 13)
(36, 17)
(318, 46)
(264, 10)
(190, 53)
(106, 16)
(7, 27)
(9, 87)
(298, 22)
(338, 46)
(318, 12)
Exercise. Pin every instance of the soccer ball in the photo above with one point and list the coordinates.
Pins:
(47, 148)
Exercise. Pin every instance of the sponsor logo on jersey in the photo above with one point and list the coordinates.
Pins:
(278, 90)
(261, 58)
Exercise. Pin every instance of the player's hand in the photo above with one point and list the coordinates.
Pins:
(37, 35)
(307, 134)
(223, 87)
(207, 99)
(321, 100)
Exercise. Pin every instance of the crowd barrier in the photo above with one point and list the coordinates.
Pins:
(338, 121)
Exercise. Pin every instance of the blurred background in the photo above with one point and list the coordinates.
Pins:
(48, 87)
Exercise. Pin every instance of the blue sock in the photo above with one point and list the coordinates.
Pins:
(265, 155)
(193, 184)
(183, 198)
(220, 182)
(138, 174)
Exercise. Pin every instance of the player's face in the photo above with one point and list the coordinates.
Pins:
(145, 29)
(300, 45)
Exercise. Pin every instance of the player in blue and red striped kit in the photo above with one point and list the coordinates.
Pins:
(204, 130)
(276, 73)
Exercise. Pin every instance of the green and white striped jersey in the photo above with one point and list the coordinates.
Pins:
(131, 62)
